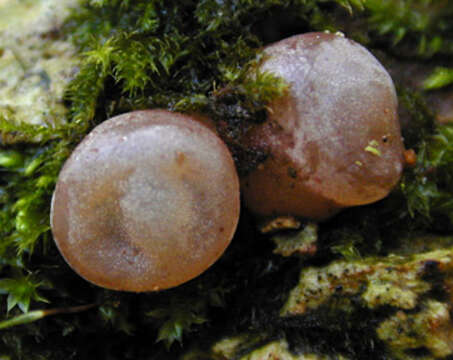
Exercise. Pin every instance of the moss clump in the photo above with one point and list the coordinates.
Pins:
(411, 27)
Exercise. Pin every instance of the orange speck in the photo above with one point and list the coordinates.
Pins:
(180, 158)
(410, 157)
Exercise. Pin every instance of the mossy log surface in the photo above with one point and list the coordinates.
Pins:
(374, 282)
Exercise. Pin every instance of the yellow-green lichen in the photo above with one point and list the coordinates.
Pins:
(233, 348)
(395, 280)
(430, 328)
(278, 350)
(302, 242)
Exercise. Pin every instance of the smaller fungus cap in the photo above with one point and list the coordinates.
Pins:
(147, 201)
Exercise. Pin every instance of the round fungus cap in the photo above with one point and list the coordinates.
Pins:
(334, 140)
(147, 201)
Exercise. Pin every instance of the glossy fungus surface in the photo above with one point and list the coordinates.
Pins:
(147, 201)
(334, 140)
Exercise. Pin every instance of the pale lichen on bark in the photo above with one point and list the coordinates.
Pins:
(36, 62)
(395, 280)
(431, 327)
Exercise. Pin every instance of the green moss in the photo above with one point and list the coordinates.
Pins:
(420, 25)
(441, 77)
(428, 186)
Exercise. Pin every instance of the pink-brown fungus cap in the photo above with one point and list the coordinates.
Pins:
(334, 140)
(147, 201)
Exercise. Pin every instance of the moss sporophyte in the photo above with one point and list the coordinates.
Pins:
(368, 282)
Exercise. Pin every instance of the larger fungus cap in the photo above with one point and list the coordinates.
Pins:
(147, 201)
(334, 140)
